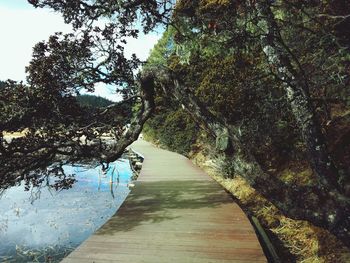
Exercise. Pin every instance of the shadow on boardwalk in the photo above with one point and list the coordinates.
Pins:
(153, 202)
(175, 213)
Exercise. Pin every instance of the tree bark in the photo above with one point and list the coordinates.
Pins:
(146, 83)
(297, 94)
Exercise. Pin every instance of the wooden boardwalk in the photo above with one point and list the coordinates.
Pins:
(175, 213)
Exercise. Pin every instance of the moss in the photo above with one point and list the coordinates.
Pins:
(210, 4)
(301, 175)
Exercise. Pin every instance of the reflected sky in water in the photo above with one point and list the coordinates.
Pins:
(45, 225)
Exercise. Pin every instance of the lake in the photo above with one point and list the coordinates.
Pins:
(44, 225)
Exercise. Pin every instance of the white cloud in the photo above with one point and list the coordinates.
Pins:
(107, 92)
(142, 46)
(22, 28)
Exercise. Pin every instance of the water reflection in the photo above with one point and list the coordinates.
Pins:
(43, 225)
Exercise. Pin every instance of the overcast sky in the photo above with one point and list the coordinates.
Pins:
(22, 26)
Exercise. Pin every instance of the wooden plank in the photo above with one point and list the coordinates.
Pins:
(176, 244)
(175, 213)
(181, 236)
(154, 259)
(228, 254)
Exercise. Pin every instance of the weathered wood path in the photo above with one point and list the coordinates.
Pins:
(175, 213)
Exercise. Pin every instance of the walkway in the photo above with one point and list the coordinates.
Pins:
(175, 213)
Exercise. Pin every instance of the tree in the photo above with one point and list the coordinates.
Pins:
(296, 88)
(58, 128)
(247, 30)
(289, 73)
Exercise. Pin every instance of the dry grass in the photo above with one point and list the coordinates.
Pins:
(307, 243)
(14, 134)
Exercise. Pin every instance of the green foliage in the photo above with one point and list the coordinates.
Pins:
(161, 52)
(226, 69)
(232, 82)
(170, 126)
(93, 101)
(173, 129)
(225, 166)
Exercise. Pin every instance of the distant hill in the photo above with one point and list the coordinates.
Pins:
(93, 101)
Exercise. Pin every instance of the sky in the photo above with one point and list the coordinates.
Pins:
(22, 26)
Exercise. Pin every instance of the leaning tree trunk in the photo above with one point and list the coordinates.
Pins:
(147, 93)
(326, 209)
(18, 161)
(297, 94)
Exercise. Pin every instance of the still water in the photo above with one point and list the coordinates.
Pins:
(44, 225)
